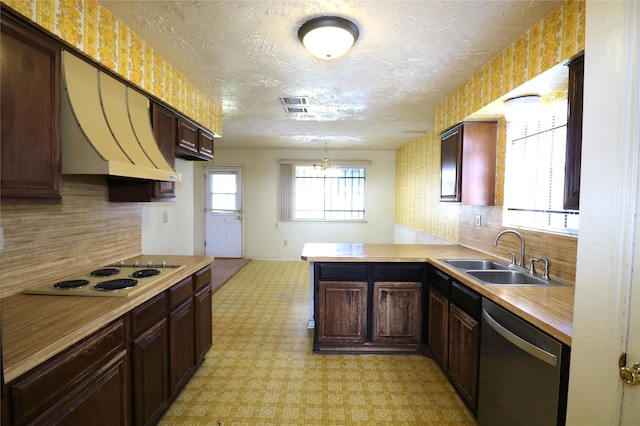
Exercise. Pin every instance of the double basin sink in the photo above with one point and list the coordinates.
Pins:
(492, 272)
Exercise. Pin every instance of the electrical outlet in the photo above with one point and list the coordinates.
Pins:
(165, 216)
(285, 242)
(478, 220)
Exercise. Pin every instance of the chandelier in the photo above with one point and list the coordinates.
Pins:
(325, 164)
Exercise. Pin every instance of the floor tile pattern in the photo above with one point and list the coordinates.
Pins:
(262, 371)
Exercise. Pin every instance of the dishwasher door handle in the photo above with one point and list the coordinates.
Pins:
(528, 347)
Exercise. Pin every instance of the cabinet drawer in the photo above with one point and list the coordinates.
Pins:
(203, 278)
(341, 271)
(180, 292)
(148, 314)
(441, 281)
(44, 386)
(468, 300)
(403, 272)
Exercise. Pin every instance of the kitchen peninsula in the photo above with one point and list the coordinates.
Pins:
(549, 308)
(394, 298)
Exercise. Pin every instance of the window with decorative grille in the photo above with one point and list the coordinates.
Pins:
(310, 193)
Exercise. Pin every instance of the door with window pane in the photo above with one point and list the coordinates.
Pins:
(224, 212)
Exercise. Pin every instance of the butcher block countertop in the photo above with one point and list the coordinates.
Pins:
(549, 308)
(35, 327)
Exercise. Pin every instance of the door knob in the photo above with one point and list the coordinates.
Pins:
(630, 376)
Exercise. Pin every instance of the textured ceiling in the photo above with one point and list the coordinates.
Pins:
(245, 55)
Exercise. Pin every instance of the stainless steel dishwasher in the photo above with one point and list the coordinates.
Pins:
(523, 372)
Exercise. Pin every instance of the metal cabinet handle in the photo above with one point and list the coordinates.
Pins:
(630, 376)
(528, 347)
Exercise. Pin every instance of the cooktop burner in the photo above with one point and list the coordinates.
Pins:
(117, 284)
(71, 284)
(144, 273)
(116, 280)
(105, 272)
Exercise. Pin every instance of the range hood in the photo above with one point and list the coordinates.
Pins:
(106, 127)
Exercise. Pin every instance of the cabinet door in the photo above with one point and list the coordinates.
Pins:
(150, 374)
(342, 316)
(95, 366)
(464, 345)
(397, 308)
(181, 346)
(187, 135)
(574, 135)
(451, 164)
(30, 168)
(203, 325)
(105, 401)
(165, 130)
(479, 144)
(205, 144)
(439, 326)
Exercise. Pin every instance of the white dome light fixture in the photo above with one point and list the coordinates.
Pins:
(328, 37)
(522, 107)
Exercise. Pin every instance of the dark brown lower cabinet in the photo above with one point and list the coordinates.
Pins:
(439, 327)
(397, 305)
(150, 360)
(86, 384)
(454, 334)
(181, 346)
(343, 308)
(150, 364)
(203, 330)
(464, 346)
(126, 373)
(368, 307)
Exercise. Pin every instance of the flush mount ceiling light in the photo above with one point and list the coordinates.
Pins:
(521, 107)
(328, 37)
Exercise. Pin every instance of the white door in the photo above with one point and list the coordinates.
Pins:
(631, 395)
(224, 212)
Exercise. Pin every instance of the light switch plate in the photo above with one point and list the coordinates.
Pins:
(478, 220)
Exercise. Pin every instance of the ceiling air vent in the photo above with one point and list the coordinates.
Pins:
(296, 110)
(295, 104)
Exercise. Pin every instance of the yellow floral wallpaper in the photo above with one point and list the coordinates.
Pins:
(92, 29)
(556, 38)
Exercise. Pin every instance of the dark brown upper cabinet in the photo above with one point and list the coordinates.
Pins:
(194, 142)
(468, 163)
(30, 165)
(574, 134)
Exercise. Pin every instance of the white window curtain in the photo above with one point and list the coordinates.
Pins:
(287, 191)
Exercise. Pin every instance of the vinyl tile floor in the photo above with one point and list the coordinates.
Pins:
(261, 369)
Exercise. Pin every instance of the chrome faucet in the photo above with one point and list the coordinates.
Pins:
(517, 234)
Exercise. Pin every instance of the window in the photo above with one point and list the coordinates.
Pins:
(534, 175)
(309, 193)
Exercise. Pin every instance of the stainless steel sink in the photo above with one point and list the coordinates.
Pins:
(476, 264)
(509, 277)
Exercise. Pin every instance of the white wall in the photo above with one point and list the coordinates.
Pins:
(405, 235)
(265, 235)
(176, 235)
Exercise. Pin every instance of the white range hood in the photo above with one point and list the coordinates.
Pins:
(106, 127)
